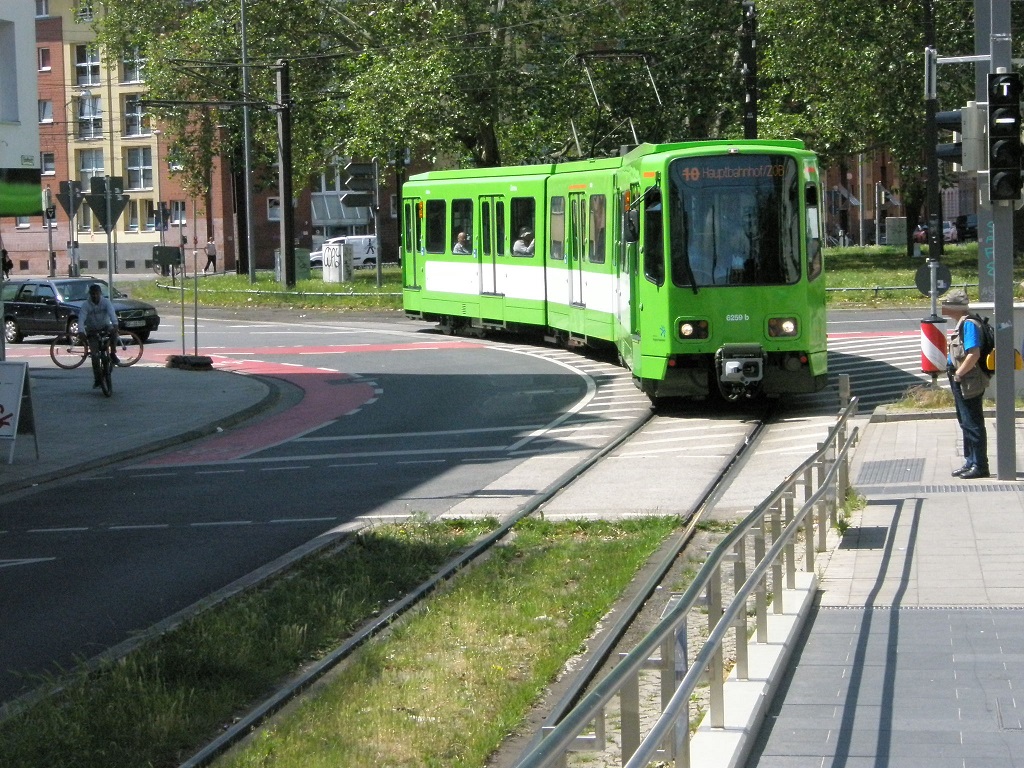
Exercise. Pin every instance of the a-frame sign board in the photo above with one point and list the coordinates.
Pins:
(16, 406)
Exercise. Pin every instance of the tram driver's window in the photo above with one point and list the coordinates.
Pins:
(654, 244)
(437, 242)
(462, 221)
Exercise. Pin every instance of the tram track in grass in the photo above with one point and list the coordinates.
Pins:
(599, 651)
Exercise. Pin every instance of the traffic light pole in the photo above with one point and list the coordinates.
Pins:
(1002, 231)
(284, 156)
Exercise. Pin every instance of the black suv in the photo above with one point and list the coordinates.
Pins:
(49, 307)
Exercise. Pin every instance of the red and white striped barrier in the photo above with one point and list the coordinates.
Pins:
(933, 346)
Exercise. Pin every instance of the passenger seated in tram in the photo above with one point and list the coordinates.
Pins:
(461, 244)
(524, 246)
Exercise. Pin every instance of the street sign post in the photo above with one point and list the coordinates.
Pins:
(107, 201)
(70, 199)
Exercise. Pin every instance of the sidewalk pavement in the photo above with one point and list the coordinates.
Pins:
(914, 652)
(152, 408)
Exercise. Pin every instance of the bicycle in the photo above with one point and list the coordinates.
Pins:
(68, 352)
(102, 364)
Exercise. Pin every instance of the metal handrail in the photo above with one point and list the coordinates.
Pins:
(832, 475)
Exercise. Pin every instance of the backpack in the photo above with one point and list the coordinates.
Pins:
(987, 337)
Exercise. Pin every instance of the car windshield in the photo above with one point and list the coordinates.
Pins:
(77, 290)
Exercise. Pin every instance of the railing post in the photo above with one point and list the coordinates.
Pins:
(776, 518)
(787, 502)
(681, 737)
(716, 667)
(761, 593)
(844, 389)
(629, 706)
(739, 571)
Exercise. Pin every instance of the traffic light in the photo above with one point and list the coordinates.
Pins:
(1004, 125)
(966, 148)
(361, 183)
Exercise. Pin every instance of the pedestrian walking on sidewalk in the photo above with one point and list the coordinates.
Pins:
(968, 382)
(211, 256)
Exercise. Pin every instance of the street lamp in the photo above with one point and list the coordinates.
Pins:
(250, 230)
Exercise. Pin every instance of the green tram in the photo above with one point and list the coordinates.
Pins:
(700, 261)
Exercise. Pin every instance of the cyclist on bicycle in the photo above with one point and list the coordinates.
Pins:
(97, 314)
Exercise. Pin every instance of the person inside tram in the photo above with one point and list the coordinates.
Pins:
(461, 244)
(524, 246)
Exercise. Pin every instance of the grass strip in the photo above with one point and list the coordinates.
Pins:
(236, 291)
(159, 704)
(447, 686)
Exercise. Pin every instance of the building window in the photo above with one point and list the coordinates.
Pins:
(90, 164)
(136, 121)
(45, 111)
(22, 222)
(90, 118)
(42, 8)
(48, 163)
(139, 167)
(131, 218)
(132, 67)
(178, 212)
(87, 64)
(273, 209)
(44, 59)
(83, 11)
(150, 215)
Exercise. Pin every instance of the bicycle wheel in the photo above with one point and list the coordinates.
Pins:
(106, 383)
(129, 348)
(68, 353)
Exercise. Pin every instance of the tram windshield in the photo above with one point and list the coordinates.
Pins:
(734, 220)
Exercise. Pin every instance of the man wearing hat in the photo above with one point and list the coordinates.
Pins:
(524, 245)
(968, 382)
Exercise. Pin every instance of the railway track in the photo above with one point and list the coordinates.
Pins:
(647, 437)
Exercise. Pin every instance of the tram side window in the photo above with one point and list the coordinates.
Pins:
(654, 243)
(598, 228)
(437, 242)
(557, 249)
(524, 219)
(462, 221)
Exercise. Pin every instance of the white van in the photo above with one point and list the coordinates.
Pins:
(364, 250)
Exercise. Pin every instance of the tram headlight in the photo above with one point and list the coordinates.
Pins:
(693, 329)
(783, 327)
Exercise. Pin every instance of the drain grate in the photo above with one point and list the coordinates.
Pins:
(891, 471)
(866, 537)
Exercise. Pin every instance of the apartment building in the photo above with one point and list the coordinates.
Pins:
(91, 124)
(19, 137)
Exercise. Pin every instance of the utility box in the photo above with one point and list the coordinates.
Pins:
(337, 262)
(301, 265)
(896, 230)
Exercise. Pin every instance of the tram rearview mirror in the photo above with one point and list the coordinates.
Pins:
(632, 233)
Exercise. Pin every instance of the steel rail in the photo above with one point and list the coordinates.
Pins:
(297, 685)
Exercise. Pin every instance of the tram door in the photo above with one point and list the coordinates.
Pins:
(491, 244)
(412, 243)
(575, 250)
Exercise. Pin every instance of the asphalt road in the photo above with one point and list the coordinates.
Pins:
(388, 422)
